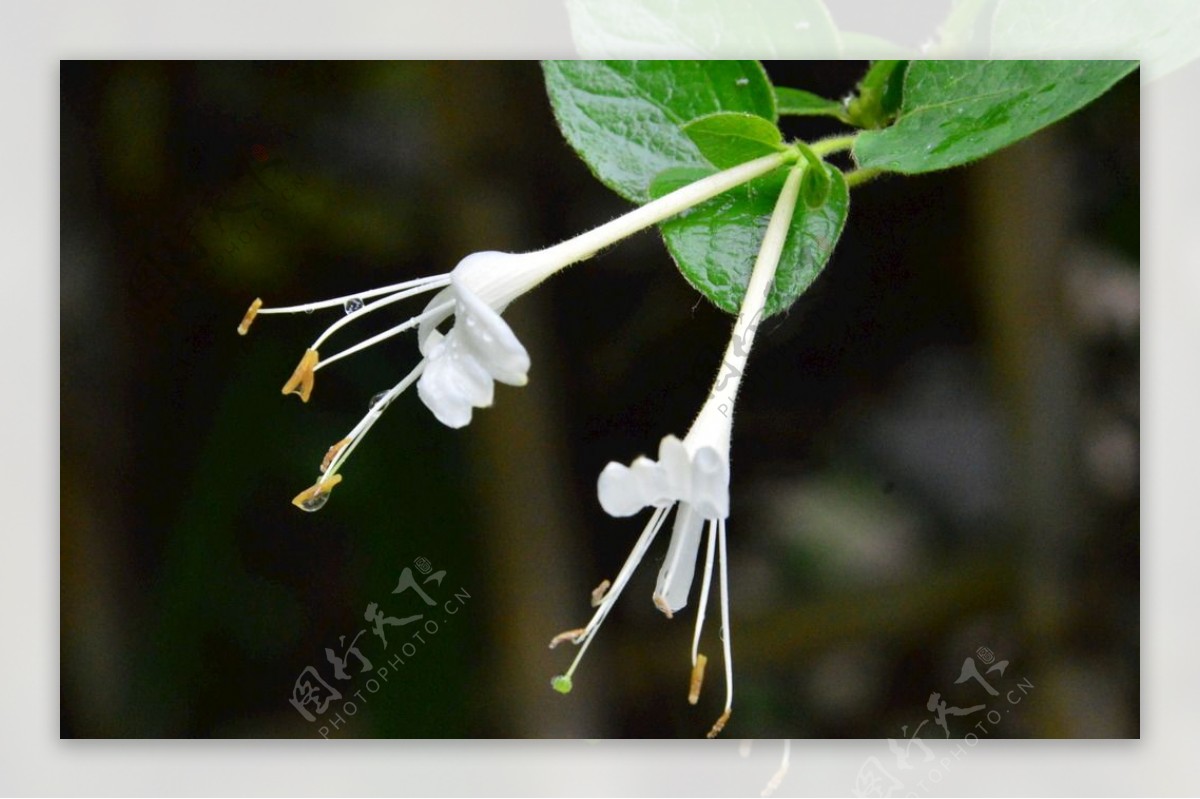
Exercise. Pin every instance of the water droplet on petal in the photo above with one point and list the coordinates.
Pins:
(353, 304)
(377, 399)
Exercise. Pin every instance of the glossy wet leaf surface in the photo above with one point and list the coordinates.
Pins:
(954, 112)
(626, 118)
(727, 139)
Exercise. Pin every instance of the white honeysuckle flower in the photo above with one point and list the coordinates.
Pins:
(692, 476)
(459, 367)
(462, 365)
(697, 474)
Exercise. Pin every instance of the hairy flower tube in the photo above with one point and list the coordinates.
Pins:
(459, 368)
(691, 476)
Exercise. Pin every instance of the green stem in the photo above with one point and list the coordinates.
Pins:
(834, 144)
(861, 176)
(806, 151)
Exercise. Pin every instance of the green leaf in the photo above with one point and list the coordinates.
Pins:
(799, 103)
(879, 94)
(954, 112)
(727, 138)
(715, 244)
(815, 186)
(625, 118)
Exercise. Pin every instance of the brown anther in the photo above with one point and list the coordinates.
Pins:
(244, 327)
(697, 679)
(332, 453)
(301, 381)
(599, 592)
(569, 635)
(720, 725)
(316, 494)
(661, 603)
(776, 781)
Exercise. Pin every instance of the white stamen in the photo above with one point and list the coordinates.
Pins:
(725, 628)
(631, 564)
(340, 302)
(781, 772)
(375, 306)
(704, 586)
(679, 567)
(359, 432)
(385, 335)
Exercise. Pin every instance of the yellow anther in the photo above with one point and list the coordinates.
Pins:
(599, 592)
(244, 327)
(697, 680)
(569, 635)
(332, 453)
(301, 381)
(314, 497)
(720, 725)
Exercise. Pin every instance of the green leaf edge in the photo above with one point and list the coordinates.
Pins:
(1134, 64)
(774, 118)
(825, 107)
(776, 145)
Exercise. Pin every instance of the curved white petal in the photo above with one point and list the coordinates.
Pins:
(675, 577)
(489, 337)
(651, 483)
(468, 375)
(618, 491)
(464, 363)
(701, 479)
(676, 466)
(447, 406)
(445, 385)
(427, 331)
(710, 484)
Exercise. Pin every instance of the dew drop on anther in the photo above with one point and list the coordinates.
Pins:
(353, 305)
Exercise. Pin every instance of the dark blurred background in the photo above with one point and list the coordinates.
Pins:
(936, 449)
